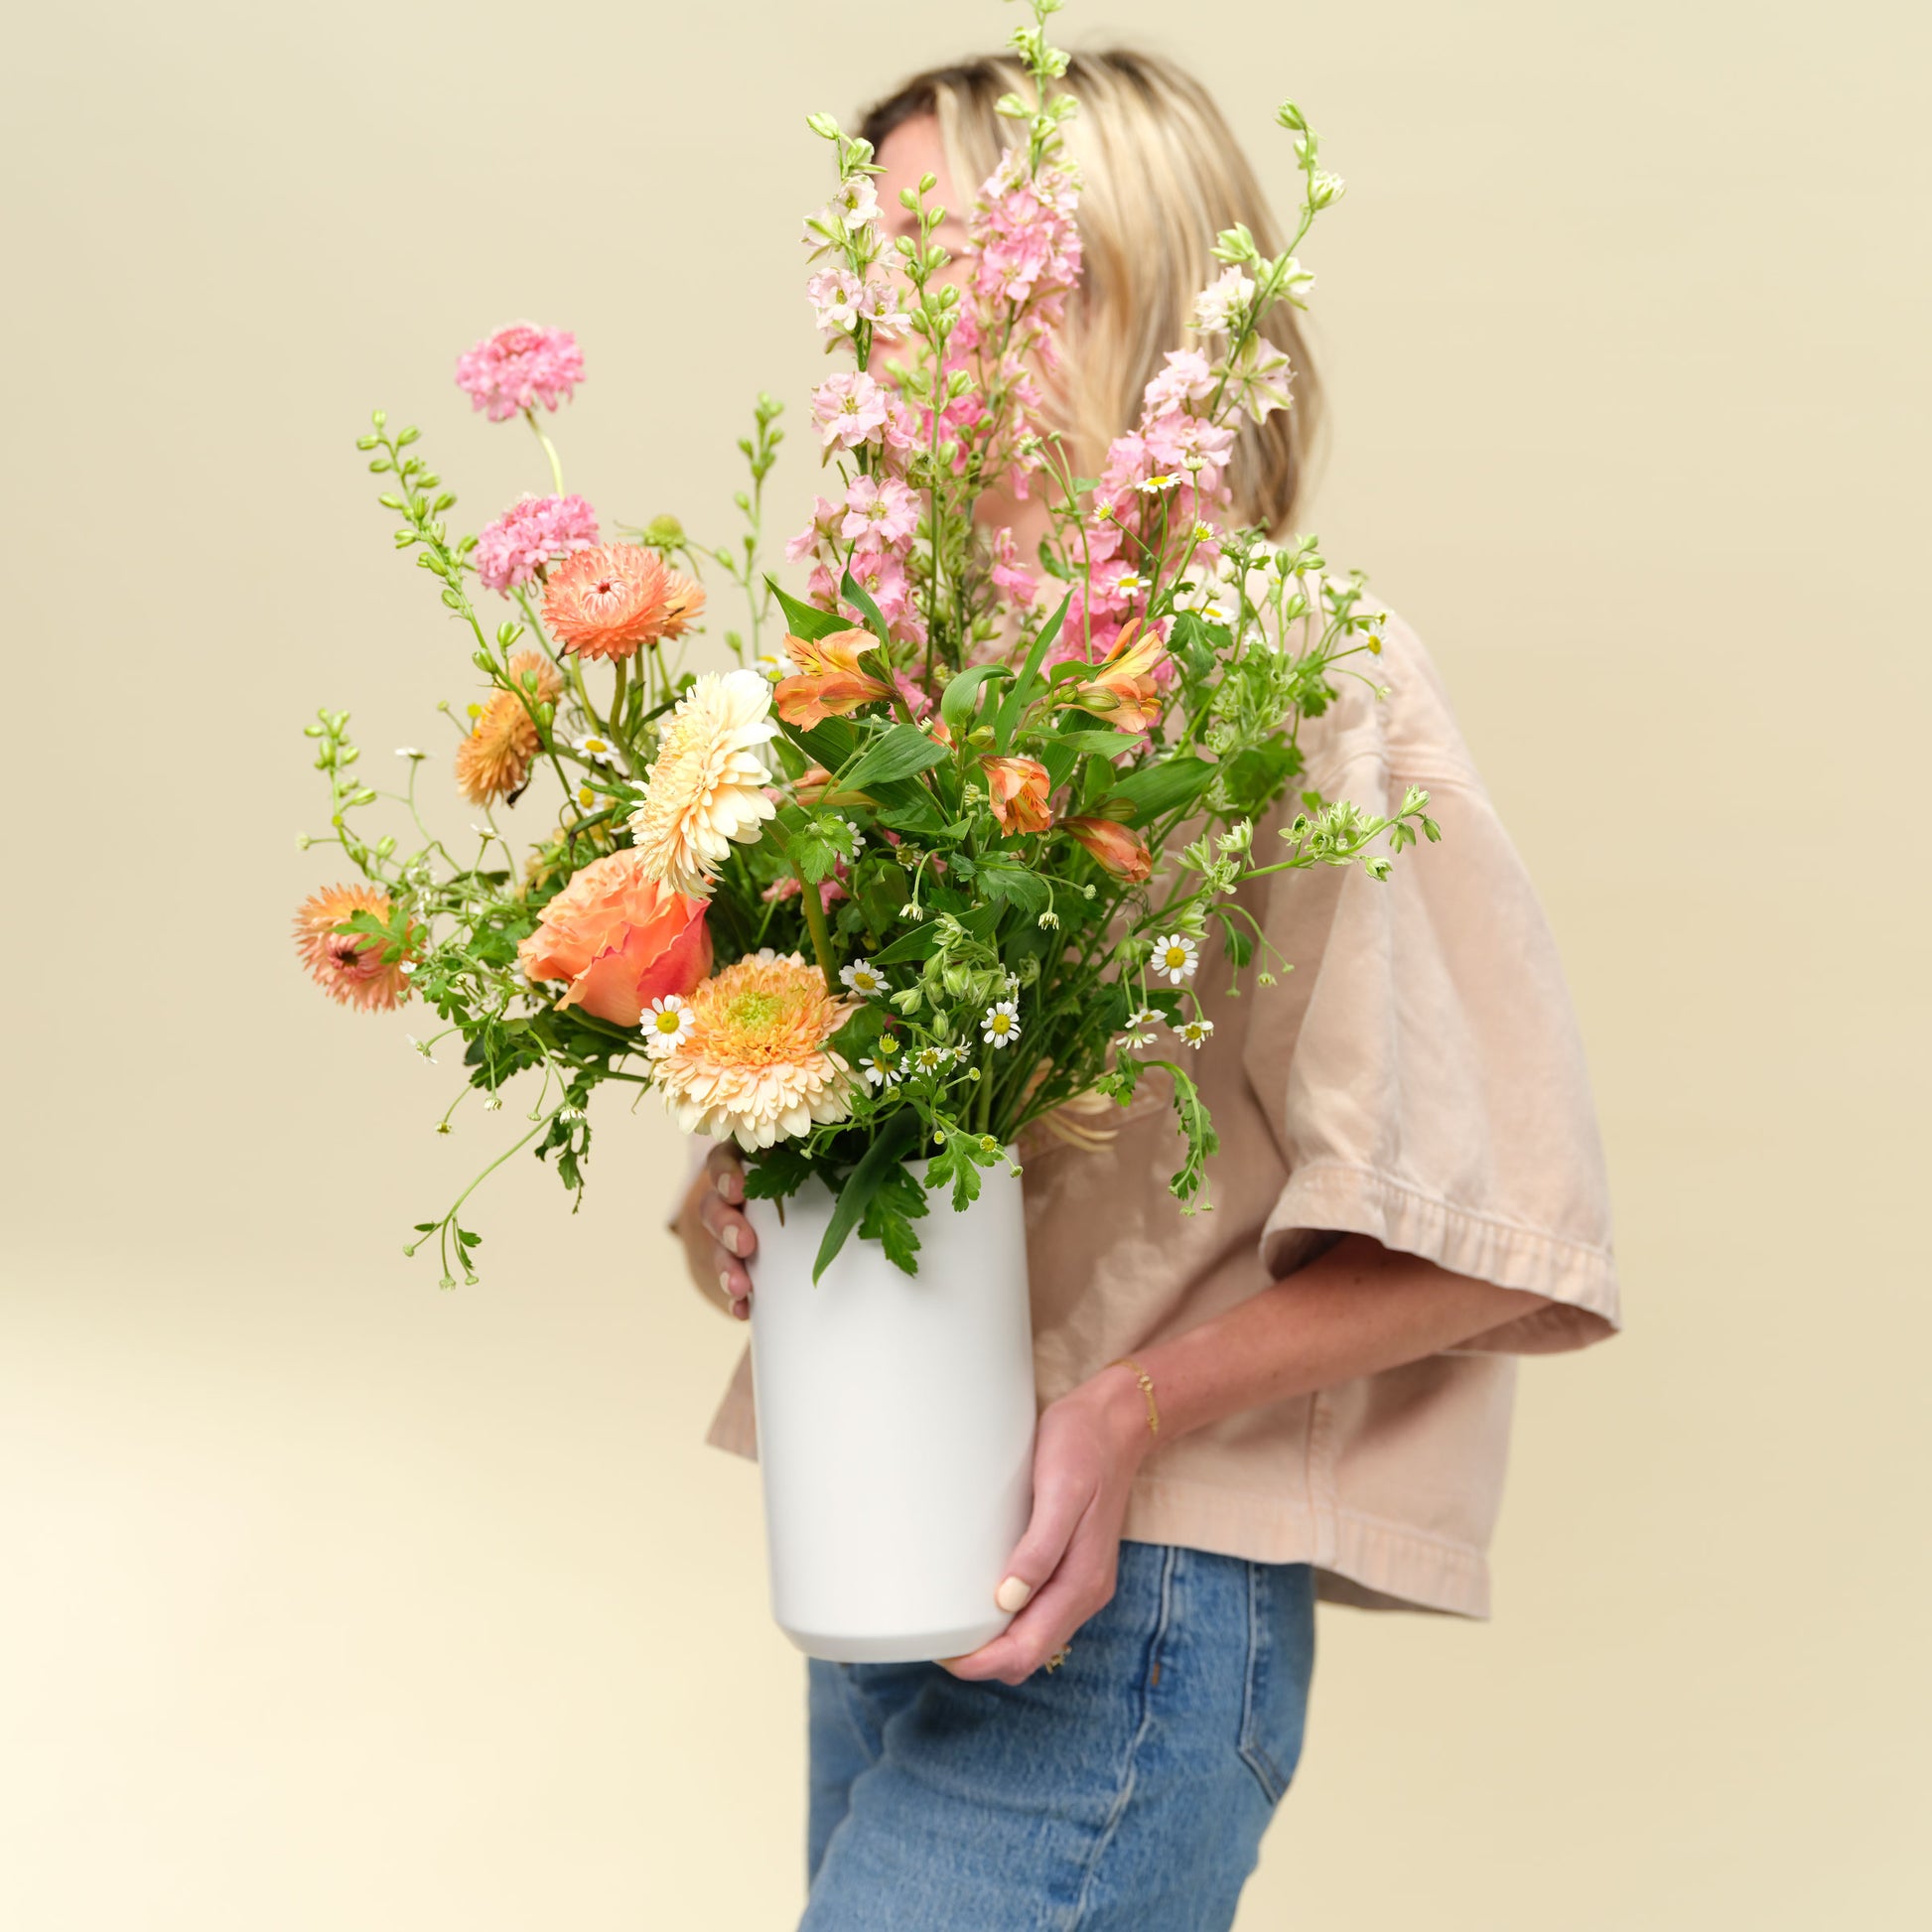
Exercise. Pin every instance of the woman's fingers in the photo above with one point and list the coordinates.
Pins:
(1080, 1587)
(726, 1173)
(728, 1227)
(732, 1241)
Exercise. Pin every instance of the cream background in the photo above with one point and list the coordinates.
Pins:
(330, 1601)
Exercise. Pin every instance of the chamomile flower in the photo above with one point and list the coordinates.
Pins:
(1140, 1029)
(597, 748)
(421, 1047)
(881, 1068)
(666, 1022)
(1193, 1031)
(1002, 1024)
(1153, 486)
(931, 1060)
(410, 752)
(1177, 956)
(858, 837)
(864, 978)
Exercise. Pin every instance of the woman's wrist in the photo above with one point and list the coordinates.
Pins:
(1119, 1404)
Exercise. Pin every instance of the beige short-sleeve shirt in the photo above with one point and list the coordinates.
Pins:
(1417, 1078)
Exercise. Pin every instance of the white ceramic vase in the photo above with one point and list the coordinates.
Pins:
(895, 1425)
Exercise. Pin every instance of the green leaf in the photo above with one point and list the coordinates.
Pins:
(919, 943)
(962, 694)
(806, 620)
(1001, 879)
(1197, 1130)
(864, 1181)
(854, 592)
(888, 1219)
(1157, 789)
(778, 1172)
(1017, 699)
(959, 1162)
(898, 754)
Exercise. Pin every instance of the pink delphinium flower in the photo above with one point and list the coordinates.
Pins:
(849, 408)
(1019, 585)
(532, 532)
(518, 367)
(879, 513)
(834, 295)
(825, 519)
(1187, 379)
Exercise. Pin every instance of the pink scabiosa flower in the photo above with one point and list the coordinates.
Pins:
(849, 408)
(879, 513)
(518, 367)
(532, 532)
(348, 966)
(757, 1063)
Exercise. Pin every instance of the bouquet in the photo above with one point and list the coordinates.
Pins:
(942, 852)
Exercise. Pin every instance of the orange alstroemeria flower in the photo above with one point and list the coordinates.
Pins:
(829, 683)
(1018, 788)
(1119, 851)
(1122, 689)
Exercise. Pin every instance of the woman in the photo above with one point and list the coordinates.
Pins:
(1409, 1194)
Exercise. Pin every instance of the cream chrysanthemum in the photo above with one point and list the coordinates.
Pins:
(706, 786)
(756, 1062)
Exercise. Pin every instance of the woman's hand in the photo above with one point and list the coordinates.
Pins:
(1089, 1445)
(717, 1239)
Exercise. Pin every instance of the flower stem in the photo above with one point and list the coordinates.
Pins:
(813, 908)
(549, 450)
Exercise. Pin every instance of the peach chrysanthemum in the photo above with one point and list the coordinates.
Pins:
(607, 601)
(758, 1061)
(494, 760)
(348, 966)
(706, 786)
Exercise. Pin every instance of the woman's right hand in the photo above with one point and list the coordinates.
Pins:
(717, 1239)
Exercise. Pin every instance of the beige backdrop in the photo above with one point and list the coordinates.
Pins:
(332, 1601)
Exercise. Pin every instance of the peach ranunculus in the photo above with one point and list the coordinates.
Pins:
(1119, 851)
(828, 682)
(620, 939)
(1123, 689)
(1016, 789)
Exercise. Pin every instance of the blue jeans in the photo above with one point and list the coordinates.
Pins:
(1127, 1789)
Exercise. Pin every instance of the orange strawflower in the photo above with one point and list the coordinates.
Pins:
(494, 760)
(829, 682)
(756, 1062)
(1016, 789)
(1122, 689)
(348, 966)
(613, 599)
(1121, 852)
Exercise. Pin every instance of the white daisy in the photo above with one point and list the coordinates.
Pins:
(858, 837)
(1140, 1027)
(1177, 956)
(667, 1022)
(421, 1047)
(409, 751)
(1002, 1024)
(881, 1067)
(864, 978)
(929, 1059)
(597, 748)
(1193, 1031)
(1153, 486)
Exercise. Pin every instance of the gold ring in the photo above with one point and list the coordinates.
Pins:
(1058, 1659)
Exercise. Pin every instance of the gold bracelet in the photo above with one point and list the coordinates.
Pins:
(1147, 1389)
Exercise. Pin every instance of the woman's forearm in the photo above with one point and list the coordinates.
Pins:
(1358, 1309)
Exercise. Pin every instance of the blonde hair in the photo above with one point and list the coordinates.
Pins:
(1162, 174)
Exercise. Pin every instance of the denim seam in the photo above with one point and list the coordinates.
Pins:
(1140, 1730)
(1254, 1754)
(846, 1695)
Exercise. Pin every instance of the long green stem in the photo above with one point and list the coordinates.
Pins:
(549, 450)
(813, 908)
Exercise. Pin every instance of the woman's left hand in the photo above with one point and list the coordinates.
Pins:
(1089, 1445)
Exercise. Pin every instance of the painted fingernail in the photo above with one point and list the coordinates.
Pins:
(723, 1184)
(728, 1237)
(1013, 1593)
(725, 1281)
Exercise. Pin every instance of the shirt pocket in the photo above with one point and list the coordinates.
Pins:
(1280, 1664)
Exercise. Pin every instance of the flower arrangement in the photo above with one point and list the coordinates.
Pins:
(944, 851)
